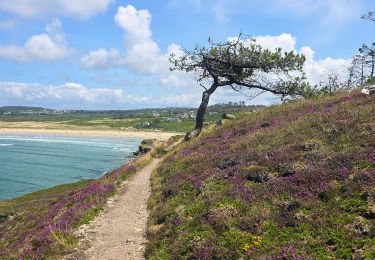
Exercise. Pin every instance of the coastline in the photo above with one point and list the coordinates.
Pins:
(86, 132)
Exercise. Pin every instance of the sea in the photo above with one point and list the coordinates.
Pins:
(30, 163)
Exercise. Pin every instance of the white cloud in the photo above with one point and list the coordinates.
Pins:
(48, 47)
(178, 79)
(285, 41)
(316, 70)
(136, 24)
(77, 92)
(36, 8)
(73, 95)
(14, 53)
(67, 95)
(142, 53)
(101, 58)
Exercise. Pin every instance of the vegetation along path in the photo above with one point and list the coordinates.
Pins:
(119, 232)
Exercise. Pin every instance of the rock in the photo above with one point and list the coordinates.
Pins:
(323, 196)
(269, 155)
(265, 124)
(240, 132)
(301, 216)
(148, 142)
(168, 193)
(286, 171)
(146, 146)
(256, 174)
(228, 116)
(227, 163)
(3, 218)
(358, 254)
(368, 90)
(144, 149)
(293, 205)
(259, 177)
(365, 91)
(154, 229)
(361, 226)
(312, 145)
(370, 214)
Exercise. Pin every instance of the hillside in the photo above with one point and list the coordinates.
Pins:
(295, 181)
(18, 108)
(172, 119)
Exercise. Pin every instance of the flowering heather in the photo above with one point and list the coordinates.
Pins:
(295, 181)
(41, 224)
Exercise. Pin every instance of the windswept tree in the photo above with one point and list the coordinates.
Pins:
(368, 52)
(357, 71)
(242, 64)
(369, 16)
(366, 56)
(333, 83)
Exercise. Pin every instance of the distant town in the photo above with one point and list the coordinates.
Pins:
(167, 119)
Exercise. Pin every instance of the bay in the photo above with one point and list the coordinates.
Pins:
(33, 162)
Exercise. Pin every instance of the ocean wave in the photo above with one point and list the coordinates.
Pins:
(6, 145)
(94, 142)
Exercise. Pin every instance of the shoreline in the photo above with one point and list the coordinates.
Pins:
(84, 132)
(129, 158)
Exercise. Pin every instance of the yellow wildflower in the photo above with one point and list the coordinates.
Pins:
(246, 247)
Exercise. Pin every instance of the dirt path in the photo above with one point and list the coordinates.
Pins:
(119, 232)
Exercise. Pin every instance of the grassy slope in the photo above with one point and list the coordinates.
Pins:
(295, 181)
(42, 224)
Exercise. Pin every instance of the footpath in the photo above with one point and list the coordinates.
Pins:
(119, 231)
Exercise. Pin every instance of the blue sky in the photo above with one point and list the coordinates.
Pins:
(111, 54)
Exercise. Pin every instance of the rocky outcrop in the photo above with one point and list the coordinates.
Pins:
(228, 116)
(368, 90)
(145, 147)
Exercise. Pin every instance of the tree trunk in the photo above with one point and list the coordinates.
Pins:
(199, 120)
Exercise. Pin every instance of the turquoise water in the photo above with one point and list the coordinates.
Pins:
(31, 163)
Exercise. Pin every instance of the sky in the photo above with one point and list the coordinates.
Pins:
(113, 54)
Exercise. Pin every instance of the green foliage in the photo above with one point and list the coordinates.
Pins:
(242, 63)
(369, 16)
(90, 216)
(371, 81)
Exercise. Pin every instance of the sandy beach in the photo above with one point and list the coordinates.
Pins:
(84, 132)
(36, 128)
